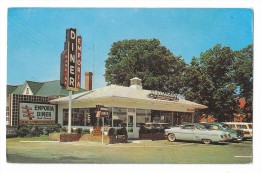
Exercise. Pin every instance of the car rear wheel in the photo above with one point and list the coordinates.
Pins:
(206, 141)
(171, 137)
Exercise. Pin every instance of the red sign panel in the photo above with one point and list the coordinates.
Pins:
(79, 44)
(64, 69)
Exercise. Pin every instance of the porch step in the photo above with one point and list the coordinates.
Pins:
(84, 137)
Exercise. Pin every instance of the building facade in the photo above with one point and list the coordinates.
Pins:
(128, 107)
(29, 103)
(46, 103)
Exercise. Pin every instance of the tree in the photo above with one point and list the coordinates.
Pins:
(243, 67)
(209, 80)
(158, 68)
(216, 79)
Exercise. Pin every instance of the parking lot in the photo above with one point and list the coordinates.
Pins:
(136, 152)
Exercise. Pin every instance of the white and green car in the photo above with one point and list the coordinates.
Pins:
(196, 132)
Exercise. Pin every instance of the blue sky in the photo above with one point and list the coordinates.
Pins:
(36, 35)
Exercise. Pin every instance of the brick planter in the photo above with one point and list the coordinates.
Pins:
(118, 139)
(69, 137)
(156, 136)
(64, 137)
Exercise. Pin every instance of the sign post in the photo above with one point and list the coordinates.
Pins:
(69, 118)
(102, 130)
(102, 112)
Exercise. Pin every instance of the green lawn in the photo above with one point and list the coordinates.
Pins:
(18, 139)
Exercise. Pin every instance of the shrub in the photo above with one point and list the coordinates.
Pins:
(64, 129)
(86, 131)
(23, 130)
(121, 131)
(36, 131)
(54, 128)
(58, 126)
(78, 130)
(143, 130)
(111, 132)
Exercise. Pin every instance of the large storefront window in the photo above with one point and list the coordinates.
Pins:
(156, 116)
(79, 117)
(119, 117)
(185, 117)
(173, 118)
(142, 116)
(166, 116)
(85, 117)
(179, 118)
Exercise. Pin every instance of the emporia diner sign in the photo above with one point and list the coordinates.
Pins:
(37, 114)
(70, 72)
(163, 96)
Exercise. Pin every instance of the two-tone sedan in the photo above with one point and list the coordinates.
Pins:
(237, 135)
(196, 132)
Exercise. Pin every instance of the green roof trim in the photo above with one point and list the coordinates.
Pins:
(18, 90)
(34, 86)
(10, 89)
(50, 88)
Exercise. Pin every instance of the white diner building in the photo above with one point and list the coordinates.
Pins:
(128, 106)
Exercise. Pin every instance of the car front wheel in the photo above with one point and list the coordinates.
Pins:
(206, 141)
(171, 137)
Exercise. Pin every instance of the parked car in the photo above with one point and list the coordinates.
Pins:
(246, 127)
(196, 132)
(235, 134)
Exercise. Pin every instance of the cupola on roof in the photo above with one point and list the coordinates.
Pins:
(136, 83)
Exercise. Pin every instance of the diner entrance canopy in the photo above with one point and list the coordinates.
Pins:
(129, 97)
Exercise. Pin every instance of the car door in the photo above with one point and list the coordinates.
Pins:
(187, 132)
(200, 132)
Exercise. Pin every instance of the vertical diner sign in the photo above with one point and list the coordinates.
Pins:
(71, 61)
(72, 47)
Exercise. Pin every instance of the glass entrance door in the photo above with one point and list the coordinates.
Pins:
(130, 124)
